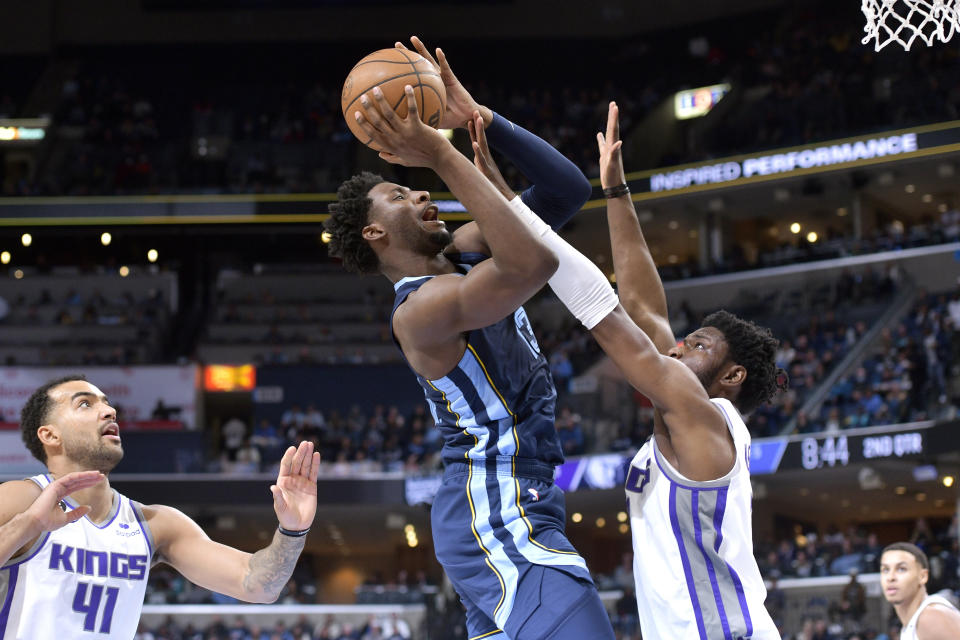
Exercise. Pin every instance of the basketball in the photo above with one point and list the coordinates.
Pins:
(391, 70)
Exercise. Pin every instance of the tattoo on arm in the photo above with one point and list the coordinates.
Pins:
(272, 566)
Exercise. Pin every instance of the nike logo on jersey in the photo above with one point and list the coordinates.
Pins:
(534, 493)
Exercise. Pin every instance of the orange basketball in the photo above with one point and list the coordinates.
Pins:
(391, 70)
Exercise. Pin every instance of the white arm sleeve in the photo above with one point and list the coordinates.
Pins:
(579, 284)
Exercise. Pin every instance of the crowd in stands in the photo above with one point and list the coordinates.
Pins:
(851, 552)
(907, 376)
(166, 586)
(800, 75)
(144, 310)
(375, 628)
(835, 321)
(379, 439)
(893, 236)
(906, 379)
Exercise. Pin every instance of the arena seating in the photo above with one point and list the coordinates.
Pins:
(76, 318)
(118, 132)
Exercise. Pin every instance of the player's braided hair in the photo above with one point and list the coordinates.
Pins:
(34, 415)
(912, 549)
(348, 217)
(754, 348)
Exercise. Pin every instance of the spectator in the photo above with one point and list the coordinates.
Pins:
(853, 601)
(234, 433)
(291, 422)
(776, 602)
(570, 432)
(247, 458)
(561, 368)
(265, 437)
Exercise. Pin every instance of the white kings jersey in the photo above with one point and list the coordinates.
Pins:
(909, 631)
(84, 580)
(696, 577)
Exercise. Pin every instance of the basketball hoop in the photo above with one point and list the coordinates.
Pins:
(904, 21)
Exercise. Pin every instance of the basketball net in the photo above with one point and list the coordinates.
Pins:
(903, 21)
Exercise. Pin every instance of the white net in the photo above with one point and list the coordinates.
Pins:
(904, 21)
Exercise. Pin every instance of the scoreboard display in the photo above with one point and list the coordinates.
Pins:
(844, 448)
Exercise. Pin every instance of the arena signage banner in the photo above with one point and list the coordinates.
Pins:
(694, 103)
(135, 391)
(15, 460)
(25, 130)
(805, 160)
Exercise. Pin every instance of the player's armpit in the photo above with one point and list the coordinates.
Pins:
(468, 239)
(15, 497)
(449, 305)
(938, 623)
(698, 431)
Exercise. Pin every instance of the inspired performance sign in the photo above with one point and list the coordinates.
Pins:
(849, 153)
(808, 158)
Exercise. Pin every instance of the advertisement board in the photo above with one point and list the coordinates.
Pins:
(134, 391)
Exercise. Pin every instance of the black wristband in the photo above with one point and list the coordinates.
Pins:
(293, 534)
(617, 191)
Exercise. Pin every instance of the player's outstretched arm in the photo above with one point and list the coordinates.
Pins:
(559, 188)
(27, 512)
(460, 104)
(638, 283)
(697, 428)
(257, 577)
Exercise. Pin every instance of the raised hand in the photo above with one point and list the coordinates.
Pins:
(483, 159)
(407, 141)
(46, 510)
(295, 494)
(460, 104)
(611, 161)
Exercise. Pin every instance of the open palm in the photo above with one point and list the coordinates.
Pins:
(295, 494)
(611, 160)
(46, 508)
(460, 104)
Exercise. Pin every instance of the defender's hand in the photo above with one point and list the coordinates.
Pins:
(295, 494)
(407, 141)
(46, 510)
(483, 159)
(460, 104)
(611, 161)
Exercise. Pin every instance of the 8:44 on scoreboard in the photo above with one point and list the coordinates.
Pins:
(830, 451)
(841, 450)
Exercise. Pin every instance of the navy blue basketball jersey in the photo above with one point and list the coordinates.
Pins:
(499, 400)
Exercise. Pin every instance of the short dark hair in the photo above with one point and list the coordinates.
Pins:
(755, 349)
(910, 548)
(34, 414)
(348, 217)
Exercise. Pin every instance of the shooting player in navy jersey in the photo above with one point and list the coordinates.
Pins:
(498, 519)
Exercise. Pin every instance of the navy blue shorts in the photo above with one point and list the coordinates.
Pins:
(498, 531)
